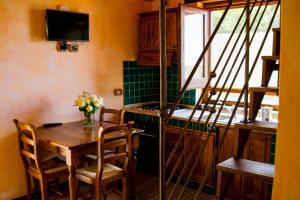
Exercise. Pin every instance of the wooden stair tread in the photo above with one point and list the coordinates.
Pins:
(264, 89)
(270, 58)
(247, 168)
(266, 127)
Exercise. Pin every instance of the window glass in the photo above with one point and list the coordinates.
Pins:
(193, 43)
(222, 37)
(194, 34)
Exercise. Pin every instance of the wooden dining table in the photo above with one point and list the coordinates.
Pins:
(72, 141)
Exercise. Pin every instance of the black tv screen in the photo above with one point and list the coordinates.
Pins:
(67, 26)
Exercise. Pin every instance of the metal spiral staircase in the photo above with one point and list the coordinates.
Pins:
(170, 189)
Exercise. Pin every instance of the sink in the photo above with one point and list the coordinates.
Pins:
(222, 117)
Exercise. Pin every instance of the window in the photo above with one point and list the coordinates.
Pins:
(194, 34)
(221, 39)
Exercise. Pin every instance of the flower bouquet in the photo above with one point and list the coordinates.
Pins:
(88, 104)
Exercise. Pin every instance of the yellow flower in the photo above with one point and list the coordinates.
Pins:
(88, 102)
(89, 108)
(81, 104)
(88, 99)
(76, 102)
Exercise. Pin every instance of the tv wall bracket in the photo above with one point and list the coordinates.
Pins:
(63, 46)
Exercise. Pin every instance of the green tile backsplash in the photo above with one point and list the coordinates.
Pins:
(141, 84)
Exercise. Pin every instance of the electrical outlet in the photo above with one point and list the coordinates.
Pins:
(118, 91)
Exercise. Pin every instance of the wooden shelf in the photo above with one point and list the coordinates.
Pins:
(269, 127)
(247, 168)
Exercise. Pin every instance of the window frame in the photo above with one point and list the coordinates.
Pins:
(233, 90)
(195, 83)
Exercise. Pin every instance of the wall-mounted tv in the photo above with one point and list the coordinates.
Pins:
(67, 26)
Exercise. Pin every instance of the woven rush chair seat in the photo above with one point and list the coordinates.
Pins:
(51, 166)
(109, 171)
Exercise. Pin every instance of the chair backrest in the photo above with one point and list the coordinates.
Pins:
(116, 137)
(111, 115)
(28, 144)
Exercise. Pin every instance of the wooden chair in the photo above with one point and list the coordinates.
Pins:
(43, 170)
(117, 116)
(104, 173)
(109, 115)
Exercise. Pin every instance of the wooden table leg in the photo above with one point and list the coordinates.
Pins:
(132, 178)
(72, 159)
(72, 182)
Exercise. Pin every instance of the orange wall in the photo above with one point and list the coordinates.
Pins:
(39, 84)
(287, 162)
(172, 4)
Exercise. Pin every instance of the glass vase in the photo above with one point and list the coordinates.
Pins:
(88, 120)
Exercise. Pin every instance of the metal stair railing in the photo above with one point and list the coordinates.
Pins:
(207, 121)
(199, 100)
(217, 99)
(219, 78)
(213, 92)
(238, 102)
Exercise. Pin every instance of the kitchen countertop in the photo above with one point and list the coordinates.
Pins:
(184, 114)
(139, 110)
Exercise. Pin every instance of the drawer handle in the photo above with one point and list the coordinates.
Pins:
(148, 135)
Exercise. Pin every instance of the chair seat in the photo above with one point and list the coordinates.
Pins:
(109, 171)
(51, 166)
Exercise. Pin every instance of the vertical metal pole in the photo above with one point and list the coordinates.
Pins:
(163, 98)
(247, 61)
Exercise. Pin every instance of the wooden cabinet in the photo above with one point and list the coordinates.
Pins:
(149, 32)
(257, 149)
(205, 157)
(186, 145)
(226, 152)
(172, 135)
(149, 54)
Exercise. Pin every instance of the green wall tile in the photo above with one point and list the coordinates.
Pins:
(145, 81)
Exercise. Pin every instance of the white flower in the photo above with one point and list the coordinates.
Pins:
(93, 98)
(97, 104)
(100, 100)
(89, 108)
